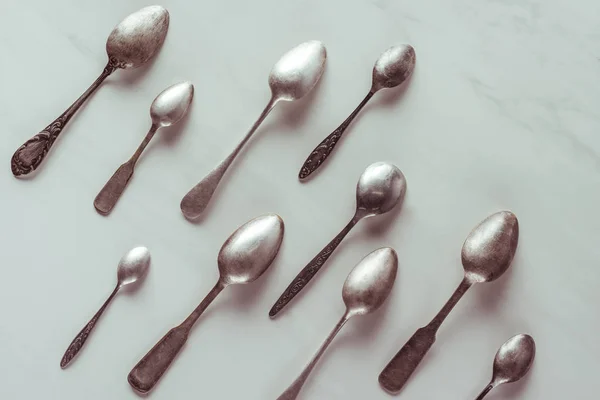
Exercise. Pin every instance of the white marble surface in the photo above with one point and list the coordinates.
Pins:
(501, 113)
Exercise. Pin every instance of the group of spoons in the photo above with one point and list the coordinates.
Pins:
(250, 250)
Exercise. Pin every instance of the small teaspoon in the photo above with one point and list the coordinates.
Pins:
(167, 109)
(132, 267)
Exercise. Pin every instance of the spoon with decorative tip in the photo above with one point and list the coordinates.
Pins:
(512, 362)
(486, 255)
(132, 267)
(244, 257)
(292, 77)
(167, 109)
(381, 187)
(392, 68)
(365, 290)
(131, 44)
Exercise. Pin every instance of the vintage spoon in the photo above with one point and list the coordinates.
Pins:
(365, 290)
(131, 43)
(512, 362)
(244, 257)
(380, 188)
(166, 109)
(292, 77)
(392, 68)
(486, 254)
(132, 267)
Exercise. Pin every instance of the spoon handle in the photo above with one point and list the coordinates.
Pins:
(148, 371)
(197, 199)
(30, 155)
(395, 375)
(294, 389)
(82, 336)
(322, 151)
(311, 269)
(485, 391)
(112, 190)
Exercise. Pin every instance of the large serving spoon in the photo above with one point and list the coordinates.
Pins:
(512, 362)
(365, 290)
(132, 267)
(244, 257)
(380, 188)
(391, 69)
(292, 77)
(167, 109)
(486, 255)
(131, 43)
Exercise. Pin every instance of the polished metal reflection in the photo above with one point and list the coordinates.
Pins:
(244, 257)
(292, 77)
(365, 290)
(392, 68)
(131, 43)
(381, 187)
(512, 362)
(486, 254)
(132, 267)
(167, 109)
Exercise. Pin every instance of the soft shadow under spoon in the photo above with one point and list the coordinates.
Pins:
(244, 257)
(365, 290)
(392, 68)
(167, 109)
(292, 77)
(131, 44)
(512, 362)
(486, 255)
(132, 267)
(381, 187)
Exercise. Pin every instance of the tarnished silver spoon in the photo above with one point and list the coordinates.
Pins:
(131, 43)
(166, 109)
(365, 290)
(392, 68)
(486, 255)
(244, 257)
(381, 187)
(512, 362)
(292, 77)
(132, 267)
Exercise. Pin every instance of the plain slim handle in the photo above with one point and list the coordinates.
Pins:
(112, 190)
(144, 376)
(485, 391)
(395, 375)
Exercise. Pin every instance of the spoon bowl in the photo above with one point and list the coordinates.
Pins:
(133, 266)
(380, 188)
(393, 67)
(370, 282)
(490, 247)
(172, 104)
(251, 249)
(514, 359)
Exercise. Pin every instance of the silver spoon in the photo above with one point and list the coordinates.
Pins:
(132, 267)
(392, 68)
(244, 257)
(512, 362)
(167, 109)
(292, 77)
(380, 188)
(365, 290)
(486, 255)
(131, 43)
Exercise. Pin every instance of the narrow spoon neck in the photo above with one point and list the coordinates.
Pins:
(135, 157)
(485, 391)
(208, 299)
(460, 291)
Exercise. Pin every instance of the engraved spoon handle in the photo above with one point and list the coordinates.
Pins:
(311, 269)
(294, 389)
(485, 391)
(82, 336)
(113, 189)
(30, 155)
(148, 371)
(197, 199)
(395, 375)
(322, 151)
